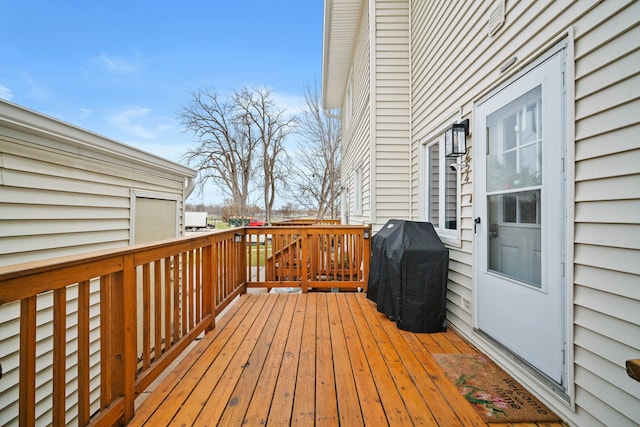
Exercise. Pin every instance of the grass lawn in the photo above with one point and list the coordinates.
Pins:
(258, 255)
(219, 224)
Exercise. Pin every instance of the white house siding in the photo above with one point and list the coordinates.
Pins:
(607, 211)
(64, 191)
(356, 133)
(453, 66)
(391, 115)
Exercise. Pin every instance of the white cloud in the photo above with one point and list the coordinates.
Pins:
(127, 120)
(85, 113)
(5, 93)
(119, 65)
(138, 121)
(36, 89)
(293, 103)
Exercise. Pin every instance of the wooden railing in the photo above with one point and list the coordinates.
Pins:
(306, 221)
(150, 302)
(153, 301)
(308, 257)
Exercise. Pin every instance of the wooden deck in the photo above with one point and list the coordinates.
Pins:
(310, 359)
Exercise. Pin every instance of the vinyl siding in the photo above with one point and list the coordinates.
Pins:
(356, 135)
(434, 37)
(63, 191)
(607, 167)
(607, 212)
(391, 86)
(455, 65)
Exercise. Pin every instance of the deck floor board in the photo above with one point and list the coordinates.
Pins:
(310, 359)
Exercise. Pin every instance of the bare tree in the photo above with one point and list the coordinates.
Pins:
(226, 148)
(315, 183)
(270, 125)
(240, 141)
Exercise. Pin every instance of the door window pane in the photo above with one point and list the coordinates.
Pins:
(528, 203)
(514, 161)
(514, 236)
(509, 210)
(514, 144)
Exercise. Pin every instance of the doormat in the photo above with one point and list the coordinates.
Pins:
(491, 391)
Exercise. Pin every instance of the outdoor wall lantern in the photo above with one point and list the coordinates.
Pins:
(455, 139)
(365, 234)
(238, 237)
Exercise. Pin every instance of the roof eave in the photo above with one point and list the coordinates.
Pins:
(340, 29)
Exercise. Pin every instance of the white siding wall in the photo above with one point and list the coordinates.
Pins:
(356, 134)
(455, 65)
(607, 211)
(61, 196)
(392, 115)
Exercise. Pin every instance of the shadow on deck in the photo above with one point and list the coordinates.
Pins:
(310, 359)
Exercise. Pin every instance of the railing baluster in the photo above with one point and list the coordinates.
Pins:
(215, 275)
(157, 309)
(27, 408)
(83, 352)
(105, 342)
(146, 316)
(225, 264)
(59, 355)
(184, 294)
(208, 306)
(167, 303)
(117, 353)
(198, 284)
(190, 289)
(176, 298)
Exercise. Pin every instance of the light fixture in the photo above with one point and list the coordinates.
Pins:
(365, 234)
(455, 139)
(238, 237)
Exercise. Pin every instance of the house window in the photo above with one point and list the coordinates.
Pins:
(441, 189)
(357, 191)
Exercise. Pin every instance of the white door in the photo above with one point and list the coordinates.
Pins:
(520, 209)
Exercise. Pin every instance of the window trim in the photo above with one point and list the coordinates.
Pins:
(357, 191)
(448, 236)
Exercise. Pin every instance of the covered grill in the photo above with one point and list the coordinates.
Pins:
(408, 275)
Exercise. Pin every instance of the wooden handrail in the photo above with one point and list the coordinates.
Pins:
(173, 281)
(152, 300)
(311, 256)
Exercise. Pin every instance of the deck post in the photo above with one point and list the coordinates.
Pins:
(128, 332)
(367, 257)
(123, 336)
(304, 259)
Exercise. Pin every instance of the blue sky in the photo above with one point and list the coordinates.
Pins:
(124, 68)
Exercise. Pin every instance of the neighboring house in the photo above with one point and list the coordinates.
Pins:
(66, 191)
(548, 281)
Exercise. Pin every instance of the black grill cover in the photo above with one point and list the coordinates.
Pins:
(408, 275)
